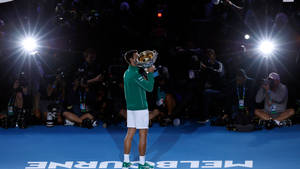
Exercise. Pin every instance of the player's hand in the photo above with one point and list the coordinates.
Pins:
(151, 69)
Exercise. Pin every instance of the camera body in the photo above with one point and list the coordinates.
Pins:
(53, 110)
(270, 82)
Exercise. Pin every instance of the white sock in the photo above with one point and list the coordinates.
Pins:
(126, 158)
(277, 122)
(142, 160)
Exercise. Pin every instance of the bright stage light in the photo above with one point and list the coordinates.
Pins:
(247, 36)
(29, 44)
(266, 48)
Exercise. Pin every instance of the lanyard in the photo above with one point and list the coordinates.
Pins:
(160, 94)
(12, 100)
(238, 93)
(84, 97)
(270, 97)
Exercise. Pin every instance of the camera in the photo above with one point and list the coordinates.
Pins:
(52, 115)
(270, 82)
(162, 72)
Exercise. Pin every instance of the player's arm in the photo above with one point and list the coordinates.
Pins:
(146, 84)
(149, 83)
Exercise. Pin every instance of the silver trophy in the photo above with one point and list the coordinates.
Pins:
(146, 58)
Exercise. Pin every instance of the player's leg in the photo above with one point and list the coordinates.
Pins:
(131, 125)
(142, 123)
(128, 140)
(143, 144)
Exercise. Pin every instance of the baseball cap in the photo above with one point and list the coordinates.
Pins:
(274, 76)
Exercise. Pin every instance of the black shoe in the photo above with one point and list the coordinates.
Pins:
(288, 122)
(285, 123)
(270, 124)
(261, 124)
(87, 123)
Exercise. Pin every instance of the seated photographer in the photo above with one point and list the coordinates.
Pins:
(275, 97)
(239, 100)
(52, 95)
(213, 85)
(80, 107)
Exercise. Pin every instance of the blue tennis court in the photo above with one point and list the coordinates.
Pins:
(187, 146)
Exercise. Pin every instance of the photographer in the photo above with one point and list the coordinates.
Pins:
(111, 102)
(213, 85)
(92, 70)
(239, 110)
(242, 94)
(275, 97)
(81, 104)
(52, 97)
(19, 103)
(162, 98)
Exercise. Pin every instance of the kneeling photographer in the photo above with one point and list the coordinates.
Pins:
(81, 102)
(52, 98)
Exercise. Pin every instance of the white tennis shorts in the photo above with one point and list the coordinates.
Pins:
(138, 119)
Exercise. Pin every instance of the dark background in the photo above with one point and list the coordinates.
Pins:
(65, 30)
